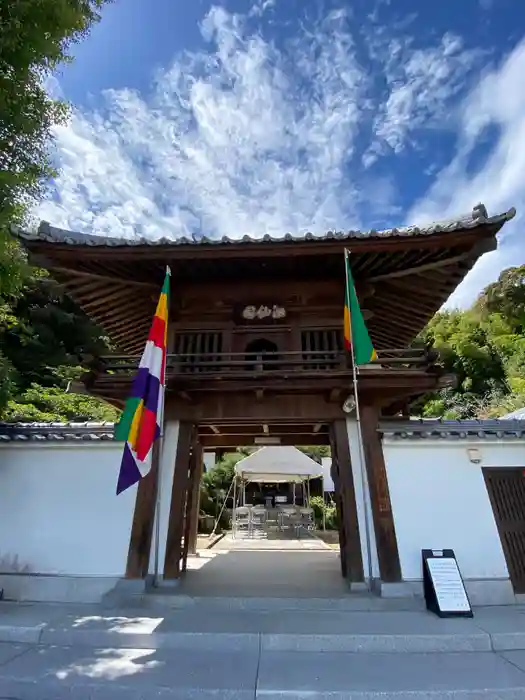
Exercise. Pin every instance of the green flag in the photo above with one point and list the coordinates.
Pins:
(355, 330)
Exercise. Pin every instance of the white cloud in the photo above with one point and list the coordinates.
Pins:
(421, 84)
(228, 143)
(245, 138)
(497, 103)
(260, 7)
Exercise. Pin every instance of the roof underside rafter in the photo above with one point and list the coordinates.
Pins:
(412, 271)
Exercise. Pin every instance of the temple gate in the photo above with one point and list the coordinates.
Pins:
(256, 354)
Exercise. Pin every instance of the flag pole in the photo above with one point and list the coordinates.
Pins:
(160, 448)
(364, 480)
(160, 445)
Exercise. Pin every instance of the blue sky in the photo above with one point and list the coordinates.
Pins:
(273, 116)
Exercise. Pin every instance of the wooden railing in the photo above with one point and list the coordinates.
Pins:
(239, 365)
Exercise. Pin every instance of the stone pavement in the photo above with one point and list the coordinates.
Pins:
(206, 649)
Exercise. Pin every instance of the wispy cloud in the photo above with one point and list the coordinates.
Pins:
(421, 84)
(496, 176)
(244, 137)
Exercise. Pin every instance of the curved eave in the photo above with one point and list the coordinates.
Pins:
(413, 270)
(50, 234)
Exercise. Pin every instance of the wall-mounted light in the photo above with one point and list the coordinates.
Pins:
(349, 404)
(474, 455)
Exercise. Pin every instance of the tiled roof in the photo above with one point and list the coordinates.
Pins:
(477, 217)
(408, 429)
(416, 429)
(56, 432)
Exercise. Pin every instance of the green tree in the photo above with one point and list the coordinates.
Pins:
(44, 337)
(54, 404)
(506, 297)
(35, 39)
(484, 347)
(49, 331)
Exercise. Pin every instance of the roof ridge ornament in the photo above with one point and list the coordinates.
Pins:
(479, 212)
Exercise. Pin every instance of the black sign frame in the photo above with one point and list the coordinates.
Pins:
(429, 584)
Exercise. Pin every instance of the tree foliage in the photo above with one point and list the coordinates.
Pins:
(35, 38)
(484, 346)
(44, 337)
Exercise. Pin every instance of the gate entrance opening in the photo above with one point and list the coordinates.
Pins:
(273, 541)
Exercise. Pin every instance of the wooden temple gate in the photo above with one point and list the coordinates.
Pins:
(256, 354)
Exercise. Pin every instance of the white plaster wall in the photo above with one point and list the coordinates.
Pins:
(167, 468)
(364, 506)
(328, 483)
(439, 500)
(59, 513)
(209, 461)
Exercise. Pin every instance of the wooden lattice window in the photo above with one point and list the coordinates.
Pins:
(194, 349)
(322, 348)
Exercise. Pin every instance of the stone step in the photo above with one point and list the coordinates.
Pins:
(172, 599)
(130, 674)
(201, 628)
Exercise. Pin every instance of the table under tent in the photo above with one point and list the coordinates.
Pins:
(286, 514)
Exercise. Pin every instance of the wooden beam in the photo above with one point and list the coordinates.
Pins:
(424, 288)
(349, 538)
(174, 551)
(383, 517)
(405, 305)
(238, 406)
(143, 519)
(232, 441)
(473, 253)
(120, 296)
(194, 498)
(80, 274)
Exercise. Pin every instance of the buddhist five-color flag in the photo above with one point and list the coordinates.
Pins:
(355, 330)
(141, 421)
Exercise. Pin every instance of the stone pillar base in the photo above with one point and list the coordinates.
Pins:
(480, 591)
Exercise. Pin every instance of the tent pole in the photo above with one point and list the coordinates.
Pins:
(324, 504)
(234, 511)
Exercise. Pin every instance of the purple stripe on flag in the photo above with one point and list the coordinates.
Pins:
(140, 383)
(151, 398)
(147, 387)
(129, 472)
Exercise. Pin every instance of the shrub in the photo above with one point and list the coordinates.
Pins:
(319, 507)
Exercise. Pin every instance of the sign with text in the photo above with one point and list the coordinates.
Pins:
(445, 593)
(260, 313)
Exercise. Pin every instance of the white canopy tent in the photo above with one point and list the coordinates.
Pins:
(278, 465)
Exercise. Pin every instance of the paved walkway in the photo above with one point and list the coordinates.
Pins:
(54, 652)
(279, 566)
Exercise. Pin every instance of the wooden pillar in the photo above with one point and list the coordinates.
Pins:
(143, 520)
(195, 497)
(386, 541)
(172, 561)
(349, 539)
